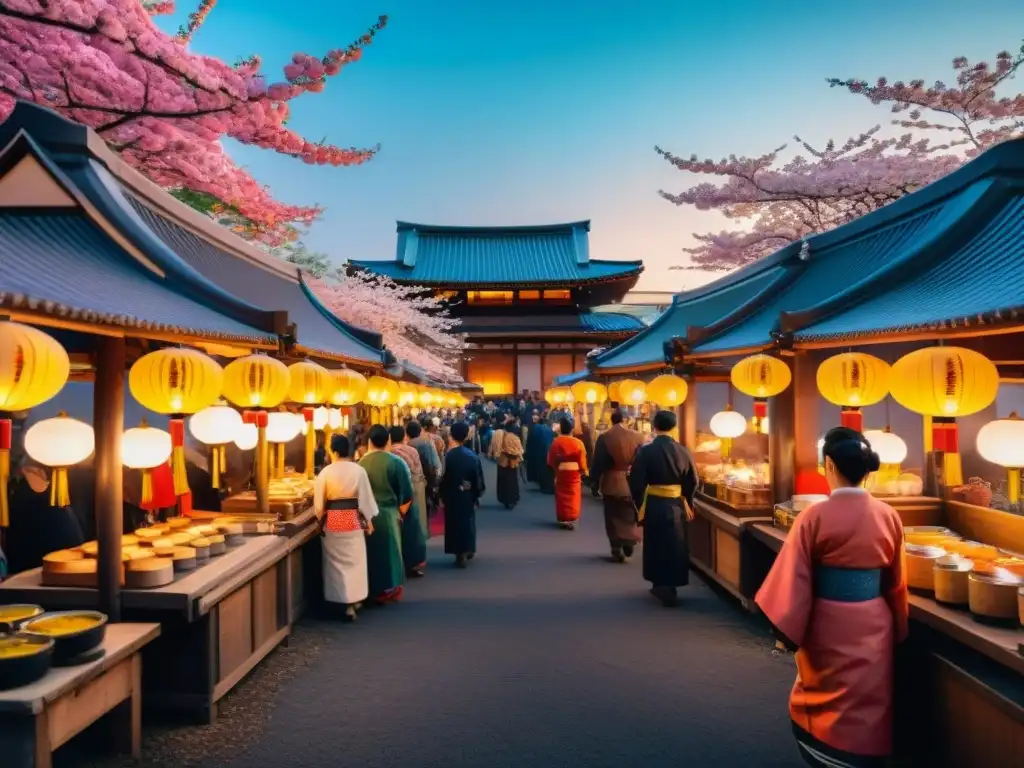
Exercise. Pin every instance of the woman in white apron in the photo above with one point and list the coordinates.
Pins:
(345, 506)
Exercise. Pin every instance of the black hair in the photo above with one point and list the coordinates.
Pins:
(413, 429)
(565, 426)
(617, 416)
(397, 434)
(664, 421)
(379, 436)
(851, 454)
(340, 445)
(459, 431)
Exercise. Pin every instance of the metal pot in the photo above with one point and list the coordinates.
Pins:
(14, 615)
(75, 643)
(16, 671)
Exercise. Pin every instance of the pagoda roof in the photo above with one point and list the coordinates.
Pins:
(498, 257)
(568, 323)
(209, 271)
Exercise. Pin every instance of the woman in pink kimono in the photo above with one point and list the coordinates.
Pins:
(837, 595)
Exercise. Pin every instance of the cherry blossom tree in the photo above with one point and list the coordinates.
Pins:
(775, 201)
(165, 109)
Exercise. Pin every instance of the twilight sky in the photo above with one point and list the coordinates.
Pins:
(540, 111)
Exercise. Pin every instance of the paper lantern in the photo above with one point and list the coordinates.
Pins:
(308, 383)
(348, 387)
(282, 428)
(334, 418)
(217, 426)
(59, 443)
(425, 397)
(853, 380)
(145, 448)
(728, 424)
(175, 381)
(256, 381)
(945, 383)
(381, 392)
(247, 437)
(33, 368)
(589, 392)
(1002, 442)
(558, 396)
(667, 390)
(632, 392)
(613, 391)
(891, 448)
(760, 377)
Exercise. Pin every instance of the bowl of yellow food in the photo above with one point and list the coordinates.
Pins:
(24, 659)
(73, 632)
(13, 616)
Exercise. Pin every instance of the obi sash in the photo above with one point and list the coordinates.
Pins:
(847, 585)
(569, 466)
(661, 492)
(342, 516)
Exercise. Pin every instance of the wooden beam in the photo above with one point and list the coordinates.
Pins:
(687, 416)
(108, 423)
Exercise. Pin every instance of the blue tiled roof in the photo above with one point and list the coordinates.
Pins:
(571, 378)
(610, 322)
(984, 276)
(694, 308)
(64, 264)
(317, 329)
(497, 256)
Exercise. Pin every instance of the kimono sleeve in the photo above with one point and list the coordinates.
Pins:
(367, 502)
(638, 477)
(894, 584)
(787, 595)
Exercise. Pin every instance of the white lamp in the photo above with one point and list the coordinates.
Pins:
(145, 448)
(59, 443)
(728, 425)
(246, 437)
(1002, 442)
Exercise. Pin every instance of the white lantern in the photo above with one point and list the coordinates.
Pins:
(60, 443)
(246, 437)
(216, 425)
(1002, 442)
(321, 417)
(283, 427)
(145, 447)
(333, 418)
(890, 448)
(728, 424)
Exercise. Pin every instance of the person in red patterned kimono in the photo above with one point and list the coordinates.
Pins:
(567, 457)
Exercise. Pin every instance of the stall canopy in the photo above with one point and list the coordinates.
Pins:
(113, 208)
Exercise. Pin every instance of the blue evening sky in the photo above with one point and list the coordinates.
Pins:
(539, 111)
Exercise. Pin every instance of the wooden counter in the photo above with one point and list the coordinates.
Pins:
(715, 543)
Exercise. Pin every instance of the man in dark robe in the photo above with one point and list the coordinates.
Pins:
(662, 482)
(461, 488)
(613, 455)
(538, 443)
(531, 466)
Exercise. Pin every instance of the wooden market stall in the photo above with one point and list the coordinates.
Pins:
(906, 324)
(123, 277)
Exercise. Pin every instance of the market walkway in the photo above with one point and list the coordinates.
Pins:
(542, 653)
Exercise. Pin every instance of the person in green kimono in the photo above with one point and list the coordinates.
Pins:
(393, 492)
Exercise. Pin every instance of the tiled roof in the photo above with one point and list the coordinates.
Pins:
(317, 329)
(695, 308)
(497, 256)
(571, 378)
(611, 322)
(63, 264)
(564, 322)
(982, 277)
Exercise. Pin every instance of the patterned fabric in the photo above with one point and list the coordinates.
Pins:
(343, 521)
(411, 457)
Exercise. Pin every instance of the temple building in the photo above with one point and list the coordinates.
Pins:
(526, 296)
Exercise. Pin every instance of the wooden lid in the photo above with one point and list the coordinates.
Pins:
(199, 543)
(167, 551)
(215, 538)
(207, 530)
(140, 553)
(164, 542)
(184, 553)
(148, 534)
(181, 538)
(63, 556)
(150, 564)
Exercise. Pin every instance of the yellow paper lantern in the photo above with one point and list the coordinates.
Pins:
(558, 396)
(217, 426)
(381, 392)
(853, 380)
(308, 383)
(589, 392)
(425, 397)
(256, 381)
(667, 390)
(613, 391)
(145, 448)
(348, 387)
(33, 368)
(760, 377)
(945, 383)
(59, 443)
(407, 394)
(632, 392)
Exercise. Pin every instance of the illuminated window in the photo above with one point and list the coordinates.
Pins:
(560, 297)
(490, 297)
(495, 373)
(529, 295)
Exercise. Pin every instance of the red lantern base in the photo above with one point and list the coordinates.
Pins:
(852, 418)
(760, 409)
(945, 436)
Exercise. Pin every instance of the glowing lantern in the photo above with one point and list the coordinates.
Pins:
(632, 391)
(59, 443)
(146, 448)
(1002, 443)
(589, 392)
(320, 417)
(282, 428)
(667, 390)
(760, 377)
(309, 384)
(217, 426)
(256, 381)
(853, 380)
(334, 418)
(558, 396)
(727, 425)
(890, 447)
(176, 381)
(613, 391)
(407, 394)
(425, 397)
(33, 368)
(247, 437)
(944, 383)
(381, 392)
(348, 387)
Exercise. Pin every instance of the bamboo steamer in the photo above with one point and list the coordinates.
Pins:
(921, 566)
(145, 535)
(207, 530)
(71, 568)
(149, 573)
(181, 538)
(202, 548)
(951, 573)
(994, 597)
(217, 544)
(184, 559)
(161, 543)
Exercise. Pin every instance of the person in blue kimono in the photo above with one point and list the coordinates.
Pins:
(461, 488)
(538, 443)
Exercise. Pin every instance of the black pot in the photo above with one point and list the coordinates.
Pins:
(24, 670)
(11, 626)
(77, 643)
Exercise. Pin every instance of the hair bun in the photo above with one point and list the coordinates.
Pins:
(874, 463)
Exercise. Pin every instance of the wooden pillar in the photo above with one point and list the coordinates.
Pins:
(108, 423)
(686, 414)
(793, 426)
